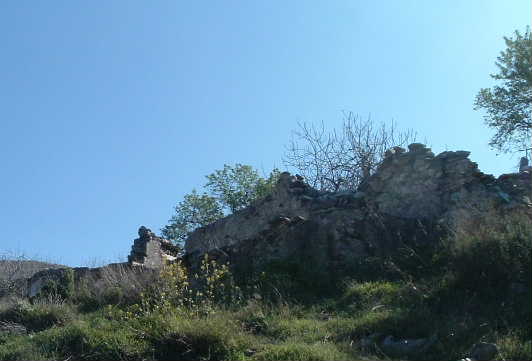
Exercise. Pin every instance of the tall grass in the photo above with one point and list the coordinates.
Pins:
(473, 286)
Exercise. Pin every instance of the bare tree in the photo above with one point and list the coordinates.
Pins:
(15, 269)
(341, 160)
(10, 271)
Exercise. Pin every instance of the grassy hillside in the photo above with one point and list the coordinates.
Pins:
(474, 286)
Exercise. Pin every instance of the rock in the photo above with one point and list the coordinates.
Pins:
(144, 232)
(370, 341)
(7, 327)
(518, 288)
(419, 148)
(406, 347)
(484, 351)
(277, 221)
(393, 151)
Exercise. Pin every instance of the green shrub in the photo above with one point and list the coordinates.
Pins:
(202, 293)
(252, 317)
(489, 262)
(202, 340)
(98, 339)
(178, 336)
(62, 287)
(21, 348)
(39, 316)
(513, 346)
(489, 272)
(88, 301)
(294, 280)
(113, 296)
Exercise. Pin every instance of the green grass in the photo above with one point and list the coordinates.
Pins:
(302, 351)
(478, 289)
(38, 316)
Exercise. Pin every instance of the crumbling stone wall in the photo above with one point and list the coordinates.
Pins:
(91, 280)
(417, 184)
(148, 254)
(287, 200)
(151, 251)
(408, 187)
(329, 230)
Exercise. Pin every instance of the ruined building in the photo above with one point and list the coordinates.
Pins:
(151, 251)
(412, 196)
(148, 254)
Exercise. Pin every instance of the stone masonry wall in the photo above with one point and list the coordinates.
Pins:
(151, 251)
(148, 254)
(408, 185)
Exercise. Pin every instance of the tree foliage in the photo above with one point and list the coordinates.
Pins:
(341, 160)
(507, 105)
(196, 210)
(236, 187)
(228, 190)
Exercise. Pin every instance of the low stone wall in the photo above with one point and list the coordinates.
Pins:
(70, 281)
(148, 254)
(288, 199)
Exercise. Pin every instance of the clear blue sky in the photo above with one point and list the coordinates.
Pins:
(112, 110)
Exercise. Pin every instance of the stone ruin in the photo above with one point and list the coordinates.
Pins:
(151, 251)
(523, 165)
(148, 254)
(329, 230)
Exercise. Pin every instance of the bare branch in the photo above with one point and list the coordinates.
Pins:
(341, 160)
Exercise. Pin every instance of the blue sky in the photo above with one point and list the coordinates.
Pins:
(111, 111)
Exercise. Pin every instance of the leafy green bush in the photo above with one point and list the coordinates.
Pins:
(487, 260)
(489, 273)
(62, 287)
